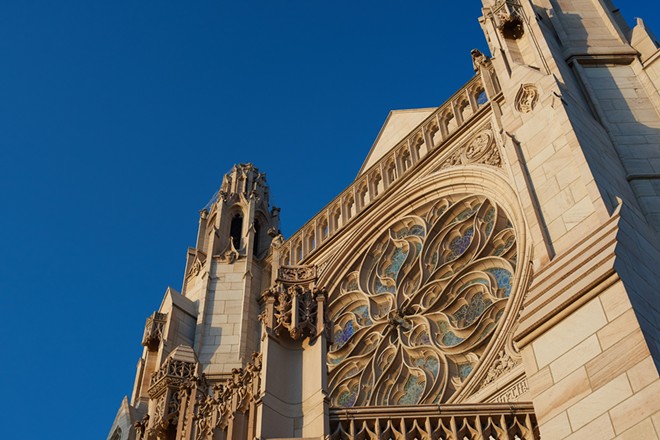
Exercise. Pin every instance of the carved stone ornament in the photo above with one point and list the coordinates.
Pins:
(198, 263)
(296, 274)
(296, 311)
(481, 149)
(526, 98)
(236, 394)
(415, 313)
(153, 330)
(508, 17)
(502, 365)
(479, 60)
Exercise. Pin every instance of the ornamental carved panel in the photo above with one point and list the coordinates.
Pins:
(416, 312)
(481, 149)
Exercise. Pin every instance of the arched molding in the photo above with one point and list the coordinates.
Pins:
(464, 181)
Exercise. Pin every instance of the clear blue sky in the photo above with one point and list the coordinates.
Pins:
(117, 122)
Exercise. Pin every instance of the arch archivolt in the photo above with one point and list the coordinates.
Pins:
(425, 290)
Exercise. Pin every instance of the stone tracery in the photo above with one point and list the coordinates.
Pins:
(416, 312)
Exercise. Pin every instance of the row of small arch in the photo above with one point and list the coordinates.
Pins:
(374, 181)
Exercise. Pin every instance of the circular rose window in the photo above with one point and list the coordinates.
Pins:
(415, 313)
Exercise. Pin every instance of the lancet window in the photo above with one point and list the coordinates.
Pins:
(481, 97)
(236, 230)
(391, 172)
(376, 184)
(362, 194)
(349, 206)
(449, 122)
(465, 109)
(323, 229)
(406, 161)
(311, 241)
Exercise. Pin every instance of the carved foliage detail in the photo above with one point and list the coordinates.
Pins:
(295, 306)
(481, 149)
(502, 365)
(236, 394)
(415, 313)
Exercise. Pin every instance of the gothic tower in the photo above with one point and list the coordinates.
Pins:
(490, 273)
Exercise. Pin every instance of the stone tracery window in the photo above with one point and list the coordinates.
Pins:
(415, 313)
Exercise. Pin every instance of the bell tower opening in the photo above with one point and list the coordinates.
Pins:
(255, 245)
(236, 230)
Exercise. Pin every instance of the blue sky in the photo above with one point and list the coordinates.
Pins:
(117, 122)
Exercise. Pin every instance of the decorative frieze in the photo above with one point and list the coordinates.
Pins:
(481, 149)
(296, 274)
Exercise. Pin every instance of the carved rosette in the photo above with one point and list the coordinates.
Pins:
(526, 98)
(295, 306)
(482, 149)
(414, 315)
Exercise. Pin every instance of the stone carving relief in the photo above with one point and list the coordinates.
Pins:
(526, 98)
(415, 314)
(481, 149)
(502, 365)
(508, 17)
(296, 274)
(198, 263)
(236, 394)
(176, 392)
(295, 306)
(479, 60)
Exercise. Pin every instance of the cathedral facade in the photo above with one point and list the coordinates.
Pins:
(491, 273)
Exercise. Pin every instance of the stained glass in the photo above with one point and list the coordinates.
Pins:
(352, 285)
(347, 398)
(397, 259)
(460, 244)
(427, 284)
(503, 278)
(344, 334)
(413, 390)
(482, 98)
(362, 315)
(464, 370)
(489, 218)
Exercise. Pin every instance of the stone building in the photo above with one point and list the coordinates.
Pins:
(491, 272)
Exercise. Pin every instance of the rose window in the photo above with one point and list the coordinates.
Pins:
(416, 312)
